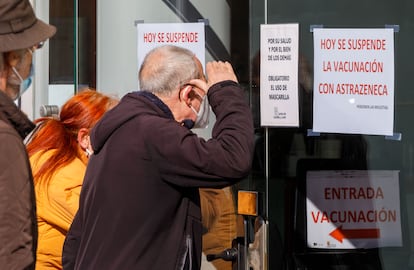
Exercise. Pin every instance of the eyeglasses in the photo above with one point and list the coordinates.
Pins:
(36, 47)
(195, 92)
(39, 45)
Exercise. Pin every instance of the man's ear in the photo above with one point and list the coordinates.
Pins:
(13, 58)
(83, 138)
(3, 80)
(186, 94)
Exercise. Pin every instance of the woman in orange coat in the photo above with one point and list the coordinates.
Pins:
(59, 154)
(220, 224)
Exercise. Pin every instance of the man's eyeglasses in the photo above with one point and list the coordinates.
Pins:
(36, 47)
(39, 45)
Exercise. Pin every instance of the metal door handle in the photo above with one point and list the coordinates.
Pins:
(229, 254)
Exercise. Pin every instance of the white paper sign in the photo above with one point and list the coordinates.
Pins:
(353, 209)
(279, 104)
(354, 81)
(188, 35)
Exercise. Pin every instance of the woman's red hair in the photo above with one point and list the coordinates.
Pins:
(83, 110)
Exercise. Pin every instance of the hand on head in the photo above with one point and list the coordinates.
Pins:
(216, 71)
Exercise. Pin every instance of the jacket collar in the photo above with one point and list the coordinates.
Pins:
(157, 102)
(12, 115)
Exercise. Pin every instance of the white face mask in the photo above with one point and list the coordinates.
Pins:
(202, 114)
(88, 152)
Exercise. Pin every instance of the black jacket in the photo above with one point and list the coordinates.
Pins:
(139, 205)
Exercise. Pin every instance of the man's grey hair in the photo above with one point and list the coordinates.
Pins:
(167, 68)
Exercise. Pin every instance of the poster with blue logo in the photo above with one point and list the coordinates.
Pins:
(279, 48)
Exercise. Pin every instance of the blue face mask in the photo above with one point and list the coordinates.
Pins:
(24, 84)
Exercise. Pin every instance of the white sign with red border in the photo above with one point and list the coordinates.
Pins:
(353, 81)
(353, 209)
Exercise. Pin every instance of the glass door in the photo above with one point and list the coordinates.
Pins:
(72, 62)
(285, 156)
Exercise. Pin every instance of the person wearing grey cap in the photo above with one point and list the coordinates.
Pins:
(21, 33)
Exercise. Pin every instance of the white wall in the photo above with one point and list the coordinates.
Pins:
(117, 70)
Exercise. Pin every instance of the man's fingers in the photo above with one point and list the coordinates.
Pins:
(218, 71)
(199, 84)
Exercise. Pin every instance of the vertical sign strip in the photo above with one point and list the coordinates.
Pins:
(279, 105)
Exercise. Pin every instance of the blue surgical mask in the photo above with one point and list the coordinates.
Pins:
(24, 84)
(202, 114)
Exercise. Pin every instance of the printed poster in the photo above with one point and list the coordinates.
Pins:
(279, 47)
(353, 209)
(354, 81)
(188, 35)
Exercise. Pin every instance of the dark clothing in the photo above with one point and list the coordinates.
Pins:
(18, 225)
(140, 205)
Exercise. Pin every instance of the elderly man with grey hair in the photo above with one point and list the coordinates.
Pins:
(140, 203)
